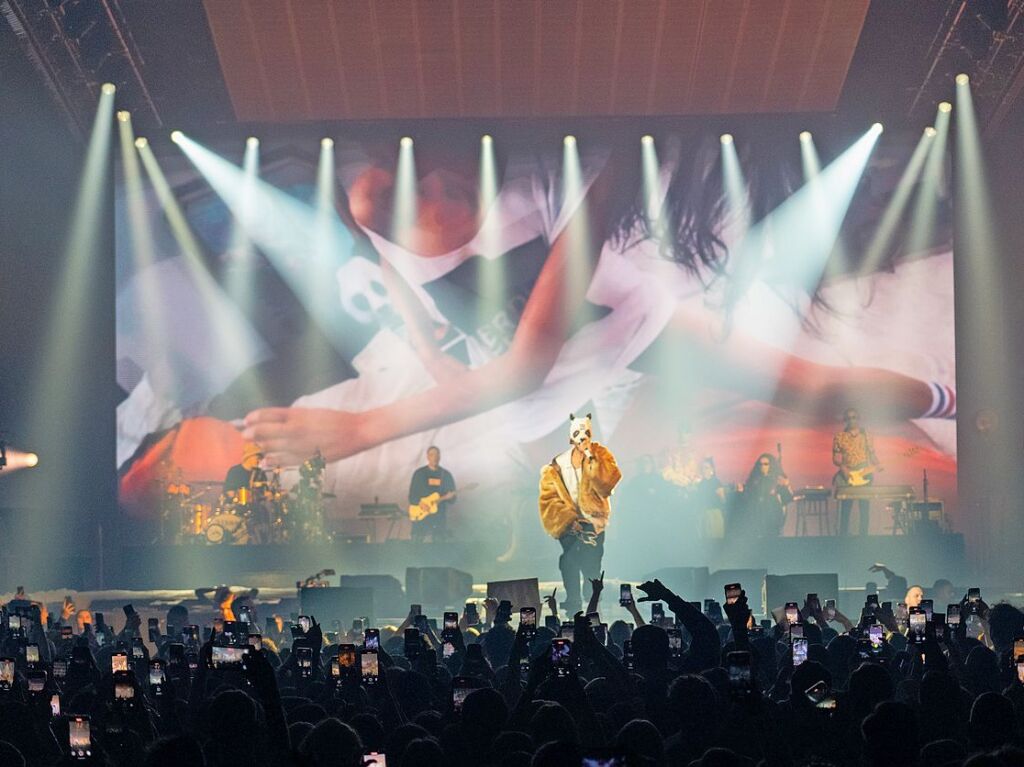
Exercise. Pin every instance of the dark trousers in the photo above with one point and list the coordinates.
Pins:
(846, 508)
(436, 526)
(578, 560)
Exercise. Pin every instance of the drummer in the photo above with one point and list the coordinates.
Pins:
(243, 477)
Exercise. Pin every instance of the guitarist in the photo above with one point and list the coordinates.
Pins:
(853, 453)
(426, 481)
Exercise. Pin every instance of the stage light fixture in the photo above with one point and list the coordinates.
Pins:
(124, 116)
(177, 136)
(406, 142)
(31, 460)
(486, 139)
(876, 127)
(726, 138)
(945, 106)
(930, 132)
(805, 135)
(252, 141)
(327, 143)
(570, 141)
(647, 140)
(962, 79)
(140, 142)
(108, 89)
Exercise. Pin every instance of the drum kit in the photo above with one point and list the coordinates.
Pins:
(262, 513)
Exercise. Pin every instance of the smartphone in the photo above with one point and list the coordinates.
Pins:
(371, 639)
(918, 623)
(872, 600)
(31, 654)
(657, 613)
(451, 621)
(796, 631)
(528, 621)
(79, 737)
(928, 606)
(175, 655)
(813, 602)
(472, 616)
(830, 609)
(462, 686)
(229, 657)
(1018, 647)
(157, 676)
(123, 687)
(154, 630)
(55, 705)
(416, 609)
(820, 695)
(974, 594)
(347, 658)
(560, 650)
(373, 759)
(1020, 670)
(304, 660)
(604, 757)
(138, 650)
(625, 595)
(119, 662)
(66, 633)
(6, 673)
(799, 651)
(953, 615)
(627, 655)
(876, 633)
(447, 649)
(369, 667)
(304, 623)
(741, 681)
(36, 681)
(413, 644)
(60, 669)
(567, 631)
(792, 612)
(675, 641)
(244, 614)
(129, 611)
(190, 634)
(601, 634)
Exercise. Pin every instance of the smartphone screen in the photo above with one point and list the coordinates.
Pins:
(447, 649)
(79, 738)
(451, 621)
(1018, 647)
(918, 622)
(799, 651)
(416, 609)
(55, 705)
(796, 631)
(6, 673)
(304, 623)
(528, 621)
(31, 653)
(675, 641)
(123, 690)
(740, 678)
(36, 681)
(175, 654)
(627, 654)
(374, 759)
(232, 656)
(368, 666)
(472, 616)
(413, 645)
(304, 660)
(830, 609)
(60, 669)
(875, 633)
(372, 639)
(255, 641)
(974, 595)
(928, 606)
(157, 676)
(872, 600)
(732, 592)
(461, 688)
(625, 595)
(560, 650)
(119, 662)
(952, 615)
(657, 613)
(347, 656)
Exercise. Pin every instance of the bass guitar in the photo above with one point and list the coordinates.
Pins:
(429, 504)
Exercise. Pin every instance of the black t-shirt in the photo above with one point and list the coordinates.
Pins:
(239, 477)
(426, 481)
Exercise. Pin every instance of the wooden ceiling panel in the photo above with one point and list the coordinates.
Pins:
(286, 60)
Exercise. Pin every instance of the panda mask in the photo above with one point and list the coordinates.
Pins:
(579, 431)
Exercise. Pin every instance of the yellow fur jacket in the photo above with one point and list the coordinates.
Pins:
(599, 477)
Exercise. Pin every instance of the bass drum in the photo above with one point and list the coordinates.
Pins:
(225, 528)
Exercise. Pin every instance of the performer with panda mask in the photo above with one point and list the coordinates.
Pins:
(575, 506)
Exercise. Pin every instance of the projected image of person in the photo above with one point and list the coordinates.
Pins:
(554, 346)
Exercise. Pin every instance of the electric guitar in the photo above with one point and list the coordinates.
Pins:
(428, 504)
(858, 477)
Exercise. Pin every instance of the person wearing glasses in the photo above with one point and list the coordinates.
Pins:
(763, 497)
(853, 454)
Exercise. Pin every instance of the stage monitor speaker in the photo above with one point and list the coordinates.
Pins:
(752, 581)
(336, 603)
(388, 596)
(522, 592)
(437, 586)
(691, 583)
(780, 589)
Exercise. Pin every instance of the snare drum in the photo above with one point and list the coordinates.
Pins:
(226, 528)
